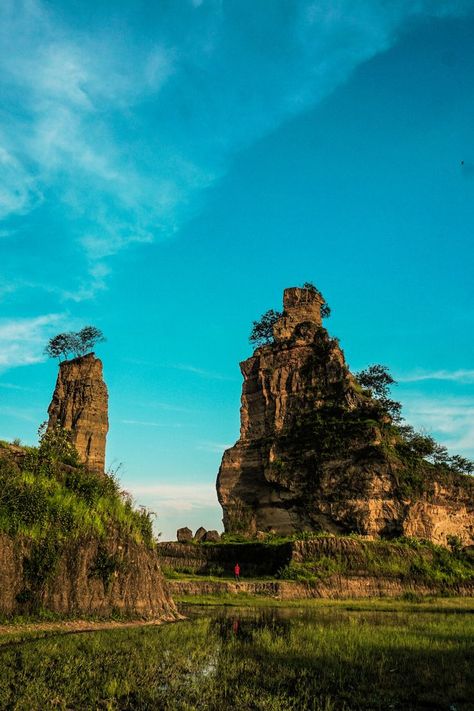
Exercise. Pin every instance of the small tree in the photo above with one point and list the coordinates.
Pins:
(325, 308)
(61, 345)
(378, 380)
(262, 330)
(80, 343)
(88, 337)
(55, 445)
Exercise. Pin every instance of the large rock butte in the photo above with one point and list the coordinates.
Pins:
(80, 405)
(316, 452)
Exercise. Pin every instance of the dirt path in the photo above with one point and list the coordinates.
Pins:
(20, 632)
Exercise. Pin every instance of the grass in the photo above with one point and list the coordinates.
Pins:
(329, 659)
(405, 559)
(407, 603)
(48, 499)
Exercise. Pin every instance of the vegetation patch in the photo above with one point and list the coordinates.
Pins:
(48, 494)
(48, 500)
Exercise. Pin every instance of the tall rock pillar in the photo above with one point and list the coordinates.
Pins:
(80, 405)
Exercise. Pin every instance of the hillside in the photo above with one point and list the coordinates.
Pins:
(70, 540)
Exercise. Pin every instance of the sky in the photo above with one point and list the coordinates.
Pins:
(168, 168)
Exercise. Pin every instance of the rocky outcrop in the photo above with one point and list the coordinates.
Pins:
(80, 405)
(316, 452)
(90, 578)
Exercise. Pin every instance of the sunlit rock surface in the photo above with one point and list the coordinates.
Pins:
(316, 452)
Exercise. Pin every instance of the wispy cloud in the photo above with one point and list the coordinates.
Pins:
(22, 340)
(26, 414)
(13, 386)
(148, 423)
(122, 131)
(216, 447)
(449, 419)
(186, 367)
(166, 407)
(201, 372)
(464, 376)
(176, 497)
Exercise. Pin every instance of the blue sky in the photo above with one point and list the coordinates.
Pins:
(167, 169)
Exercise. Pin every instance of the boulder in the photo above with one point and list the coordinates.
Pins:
(212, 537)
(184, 535)
(200, 534)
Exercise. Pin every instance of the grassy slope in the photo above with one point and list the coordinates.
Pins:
(48, 501)
(45, 497)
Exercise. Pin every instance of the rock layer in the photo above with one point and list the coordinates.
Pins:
(316, 452)
(136, 586)
(80, 405)
(337, 587)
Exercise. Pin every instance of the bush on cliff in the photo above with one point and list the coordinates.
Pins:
(46, 494)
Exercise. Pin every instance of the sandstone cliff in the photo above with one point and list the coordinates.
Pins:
(79, 404)
(317, 453)
(89, 578)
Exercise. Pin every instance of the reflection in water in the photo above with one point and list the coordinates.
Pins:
(244, 623)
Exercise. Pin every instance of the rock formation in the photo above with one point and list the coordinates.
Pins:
(184, 535)
(79, 404)
(316, 452)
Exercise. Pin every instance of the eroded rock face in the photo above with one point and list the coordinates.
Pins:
(315, 451)
(80, 404)
(137, 586)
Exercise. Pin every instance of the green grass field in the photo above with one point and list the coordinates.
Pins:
(336, 656)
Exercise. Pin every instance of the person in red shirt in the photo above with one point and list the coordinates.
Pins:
(237, 571)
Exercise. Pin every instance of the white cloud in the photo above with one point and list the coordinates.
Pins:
(216, 447)
(201, 372)
(449, 419)
(18, 192)
(22, 340)
(176, 505)
(175, 497)
(148, 423)
(76, 131)
(17, 413)
(13, 386)
(464, 376)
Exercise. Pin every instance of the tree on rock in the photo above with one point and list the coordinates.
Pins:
(262, 330)
(74, 343)
(378, 380)
(325, 308)
(60, 345)
(88, 337)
